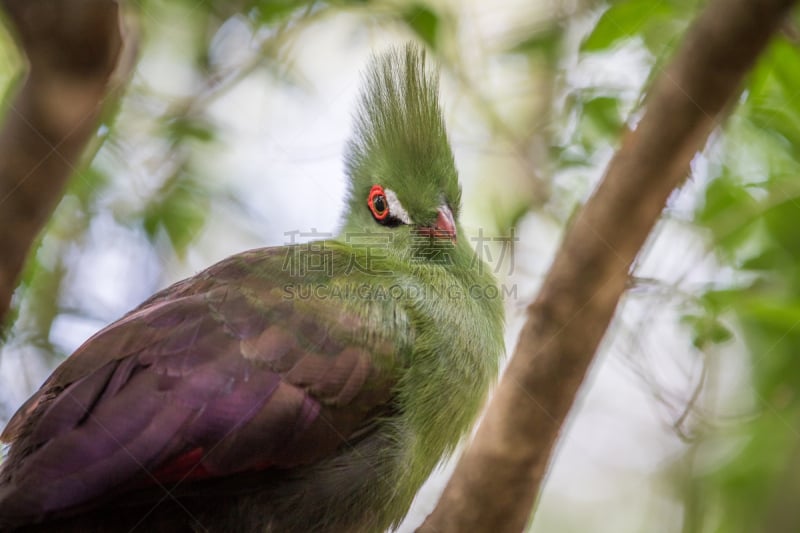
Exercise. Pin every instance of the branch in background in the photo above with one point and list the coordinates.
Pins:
(497, 479)
(76, 56)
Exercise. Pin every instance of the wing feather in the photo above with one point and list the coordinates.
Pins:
(216, 376)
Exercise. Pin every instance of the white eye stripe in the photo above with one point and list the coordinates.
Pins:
(395, 207)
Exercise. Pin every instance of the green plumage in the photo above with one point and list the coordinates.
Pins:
(301, 388)
(456, 331)
(400, 140)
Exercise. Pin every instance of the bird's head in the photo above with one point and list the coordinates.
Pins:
(403, 179)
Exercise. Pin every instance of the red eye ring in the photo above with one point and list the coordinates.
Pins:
(377, 203)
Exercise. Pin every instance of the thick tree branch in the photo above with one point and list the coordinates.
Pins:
(73, 47)
(496, 481)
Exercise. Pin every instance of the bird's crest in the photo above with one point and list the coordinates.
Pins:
(400, 134)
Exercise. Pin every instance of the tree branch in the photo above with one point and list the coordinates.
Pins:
(497, 479)
(73, 48)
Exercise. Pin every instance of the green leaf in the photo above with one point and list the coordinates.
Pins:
(723, 195)
(784, 59)
(782, 224)
(269, 11)
(706, 330)
(729, 212)
(424, 22)
(772, 103)
(545, 42)
(186, 127)
(766, 260)
(180, 212)
(604, 114)
(773, 314)
(623, 20)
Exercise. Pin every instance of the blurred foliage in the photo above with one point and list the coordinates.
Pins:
(752, 209)
(425, 23)
(168, 196)
(743, 469)
(548, 98)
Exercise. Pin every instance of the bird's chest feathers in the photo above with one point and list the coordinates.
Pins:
(455, 360)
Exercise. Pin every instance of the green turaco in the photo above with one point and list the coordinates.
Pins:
(302, 388)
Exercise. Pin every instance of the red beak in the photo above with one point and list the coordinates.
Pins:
(444, 227)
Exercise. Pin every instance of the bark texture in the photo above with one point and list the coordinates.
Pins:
(73, 49)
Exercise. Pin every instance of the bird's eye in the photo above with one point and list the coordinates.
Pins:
(377, 203)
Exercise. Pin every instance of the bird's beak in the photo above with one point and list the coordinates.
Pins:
(444, 227)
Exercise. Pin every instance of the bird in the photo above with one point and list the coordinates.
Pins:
(309, 387)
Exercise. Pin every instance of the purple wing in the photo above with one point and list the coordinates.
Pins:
(210, 379)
